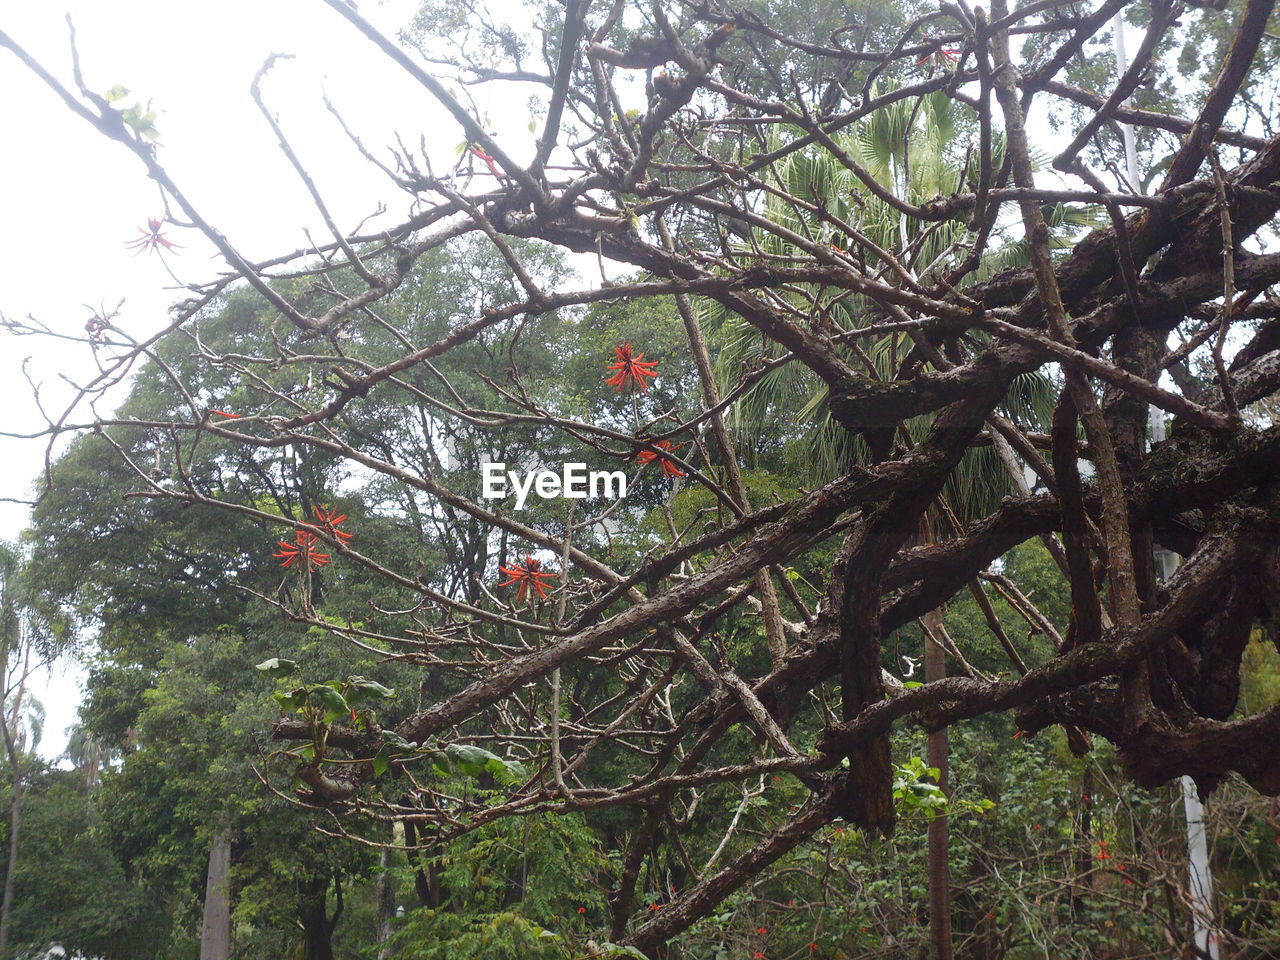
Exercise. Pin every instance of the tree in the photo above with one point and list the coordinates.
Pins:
(21, 716)
(665, 652)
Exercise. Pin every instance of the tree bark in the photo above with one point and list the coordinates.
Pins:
(6, 908)
(215, 931)
(1083, 881)
(313, 914)
(9, 727)
(386, 904)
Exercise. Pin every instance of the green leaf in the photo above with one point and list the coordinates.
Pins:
(360, 690)
(331, 701)
(617, 950)
(469, 760)
(295, 700)
(117, 93)
(380, 765)
(277, 666)
(395, 741)
(473, 761)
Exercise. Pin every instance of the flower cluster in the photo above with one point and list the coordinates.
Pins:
(527, 574)
(631, 369)
(668, 465)
(302, 550)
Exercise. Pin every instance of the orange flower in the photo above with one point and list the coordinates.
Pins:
(669, 467)
(304, 541)
(303, 547)
(944, 54)
(331, 520)
(530, 572)
(762, 930)
(488, 160)
(632, 369)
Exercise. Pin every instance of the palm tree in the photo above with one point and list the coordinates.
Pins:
(908, 148)
(86, 753)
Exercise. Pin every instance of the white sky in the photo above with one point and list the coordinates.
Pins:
(70, 199)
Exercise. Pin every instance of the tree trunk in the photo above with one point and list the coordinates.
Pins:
(313, 914)
(6, 906)
(386, 904)
(215, 931)
(935, 668)
(9, 727)
(1083, 881)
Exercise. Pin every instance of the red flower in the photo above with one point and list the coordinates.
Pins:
(302, 547)
(758, 955)
(632, 369)
(813, 945)
(668, 465)
(761, 931)
(944, 55)
(655, 906)
(97, 328)
(791, 903)
(488, 160)
(151, 238)
(331, 520)
(530, 572)
(582, 909)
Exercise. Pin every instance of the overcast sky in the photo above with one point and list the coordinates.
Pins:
(69, 199)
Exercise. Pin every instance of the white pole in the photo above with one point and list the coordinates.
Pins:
(1199, 879)
(1199, 874)
(1126, 131)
